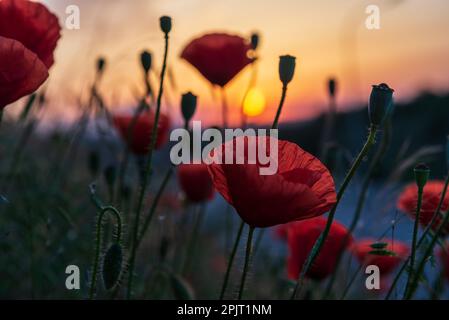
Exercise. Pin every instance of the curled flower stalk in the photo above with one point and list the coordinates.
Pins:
(103, 210)
(165, 24)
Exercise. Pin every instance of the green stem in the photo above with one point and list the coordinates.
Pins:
(414, 240)
(247, 260)
(361, 201)
(231, 260)
(146, 174)
(322, 238)
(103, 211)
(281, 104)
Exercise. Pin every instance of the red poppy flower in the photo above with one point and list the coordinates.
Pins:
(302, 236)
(386, 264)
(219, 57)
(431, 197)
(139, 139)
(301, 188)
(28, 37)
(21, 71)
(195, 181)
(33, 25)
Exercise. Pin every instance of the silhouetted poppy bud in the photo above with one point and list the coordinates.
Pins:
(188, 105)
(165, 23)
(110, 175)
(101, 63)
(286, 68)
(93, 162)
(145, 59)
(380, 103)
(421, 174)
(332, 87)
(254, 40)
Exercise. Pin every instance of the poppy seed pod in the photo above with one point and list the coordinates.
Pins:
(380, 103)
(165, 23)
(145, 59)
(254, 40)
(421, 174)
(101, 62)
(332, 86)
(286, 68)
(188, 105)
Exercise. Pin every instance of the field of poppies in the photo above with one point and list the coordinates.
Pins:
(99, 209)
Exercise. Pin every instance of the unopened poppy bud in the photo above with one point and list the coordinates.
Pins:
(286, 68)
(101, 63)
(110, 175)
(380, 103)
(188, 105)
(421, 174)
(165, 23)
(254, 40)
(332, 86)
(145, 59)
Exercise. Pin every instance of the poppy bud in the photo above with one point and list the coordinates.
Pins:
(165, 23)
(254, 40)
(380, 103)
(145, 59)
(188, 105)
(101, 62)
(421, 174)
(286, 68)
(332, 85)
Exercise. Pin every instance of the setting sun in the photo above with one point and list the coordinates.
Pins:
(254, 103)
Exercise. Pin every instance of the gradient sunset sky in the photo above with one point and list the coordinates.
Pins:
(329, 38)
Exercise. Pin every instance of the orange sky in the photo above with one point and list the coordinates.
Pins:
(410, 51)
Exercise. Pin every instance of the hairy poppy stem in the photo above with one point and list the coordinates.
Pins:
(361, 201)
(414, 241)
(147, 173)
(103, 211)
(421, 240)
(247, 260)
(231, 260)
(322, 238)
(281, 104)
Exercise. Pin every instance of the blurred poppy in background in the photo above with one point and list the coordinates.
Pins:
(302, 236)
(301, 188)
(365, 253)
(431, 197)
(195, 182)
(28, 36)
(137, 133)
(219, 57)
